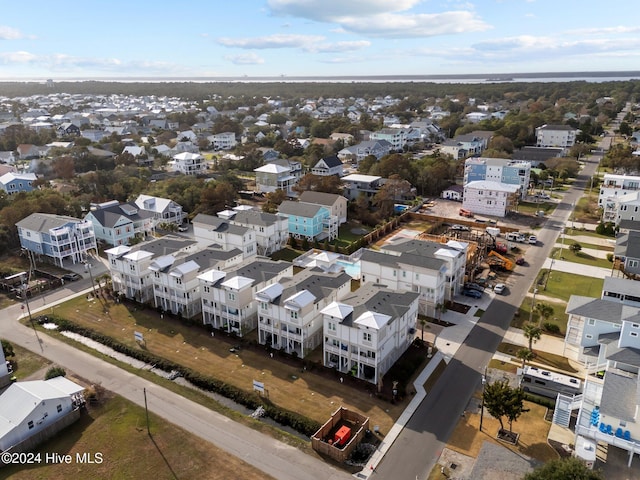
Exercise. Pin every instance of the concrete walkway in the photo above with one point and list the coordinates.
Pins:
(587, 251)
(576, 268)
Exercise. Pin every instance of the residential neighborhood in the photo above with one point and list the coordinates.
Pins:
(356, 244)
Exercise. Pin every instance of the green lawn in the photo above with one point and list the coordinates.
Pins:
(562, 285)
(550, 359)
(287, 253)
(585, 233)
(558, 317)
(593, 246)
(346, 235)
(116, 429)
(25, 362)
(532, 207)
(579, 257)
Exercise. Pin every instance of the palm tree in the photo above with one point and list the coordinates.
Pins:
(532, 332)
(525, 355)
(544, 310)
(423, 322)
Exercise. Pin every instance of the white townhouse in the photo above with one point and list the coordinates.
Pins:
(228, 296)
(209, 229)
(563, 136)
(289, 315)
(328, 166)
(500, 170)
(188, 163)
(278, 175)
(271, 230)
(397, 137)
(490, 198)
(415, 268)
(129, 266)
(39, 407)
(176, 287)
(366, 332)
(163, 209)
(615, 189)
(223, 141)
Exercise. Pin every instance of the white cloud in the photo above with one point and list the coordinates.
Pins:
(382, 18)
(17, 57)
(9, 33)
(271, 41)
(338, 46)
(330, 10)
(245, 59)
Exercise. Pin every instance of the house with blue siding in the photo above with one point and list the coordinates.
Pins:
(116, 223)
(17, 182)
(310, 221)
(58, 237)
(500, 170)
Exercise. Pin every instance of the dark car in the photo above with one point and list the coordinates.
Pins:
(471, 293)
(71, 277)
(474, 286)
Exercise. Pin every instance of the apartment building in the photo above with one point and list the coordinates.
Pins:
(209, 229)
(499, 170)
(271, 230)
(366, 332)
(617, 190)
(490, 198)
(289, 315)
(563, 136)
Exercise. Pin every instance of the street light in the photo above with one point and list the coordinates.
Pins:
(484, 383)
(25, 288)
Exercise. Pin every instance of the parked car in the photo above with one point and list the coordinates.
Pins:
(520, 261)
(71, 277)
(460, 227)
(183, 228)
(533, 240)
(474, 286)
(471, 293)
(499, 288)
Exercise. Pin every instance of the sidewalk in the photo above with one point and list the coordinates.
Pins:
(576, 268)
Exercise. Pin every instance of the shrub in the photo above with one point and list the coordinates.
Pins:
(55, 372)
(610, 257)
(551, 327)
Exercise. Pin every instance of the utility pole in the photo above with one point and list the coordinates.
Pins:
(484, 383)
(533, 304)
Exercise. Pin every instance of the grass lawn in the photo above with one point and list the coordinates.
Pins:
(315, 396)
(532, 207)
(116, 428)
(26, 362)
(586, 233)
(558, 317)
(467, 439)
(562, 285)
(287, 253)
(579, 257)
(346, 235)
(546, 358)
(592, 246)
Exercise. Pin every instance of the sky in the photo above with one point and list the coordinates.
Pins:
(313, 38)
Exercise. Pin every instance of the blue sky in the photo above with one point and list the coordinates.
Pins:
(116, 39)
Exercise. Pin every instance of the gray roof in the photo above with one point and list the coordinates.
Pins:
(376, 298)
(207, 258)
(320, 198)
(619, 396)
(557, 127)
(164, 246)
(624, 286)
(254, 217)
(109, 216)
(628, 245)
(218, 224)
(320, 284)
(260, 270)
(629, 225)
(398, 261)
(597, 308)
(332, 161)
(299, 209)
(417, 247)
(43, 222)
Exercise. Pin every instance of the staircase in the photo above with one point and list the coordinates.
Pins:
(564, 406)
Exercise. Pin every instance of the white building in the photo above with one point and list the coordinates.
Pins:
(490, 198)
(278, 175)
(228, 297)
(188, 163)
(223, 141)
(435, 271)
(397, 137)
(163, 209)
(500, 170)
(289, 311)
(366, 332)
(28, 408)
(614, 189)
(271, 230)
(176, 286)
(563, 136)
(209, 229)
(129, 266)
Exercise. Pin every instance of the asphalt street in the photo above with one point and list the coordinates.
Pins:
(417, 449)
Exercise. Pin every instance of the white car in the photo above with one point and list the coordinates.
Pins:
(183, 228)
(533, 240)
(499, 288)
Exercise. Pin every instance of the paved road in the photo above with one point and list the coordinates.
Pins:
(265, 453)
(416, 450)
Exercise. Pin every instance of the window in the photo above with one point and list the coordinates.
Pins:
(206, 289)
(332, 327)
(231, 296)
(366, 336)
(30, 424)
(294, 314)
(633, 334)
(59, 408)
(592, 321)
(588, 336)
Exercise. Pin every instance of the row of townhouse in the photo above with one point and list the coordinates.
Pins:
(499, 170)
(605, 334)
(619, 197)
(290, 312)
(433, 270)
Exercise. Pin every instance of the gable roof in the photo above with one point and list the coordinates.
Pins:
(43, 222)
(320, 198)
(300, 209)
(332, 161)
(108, 216)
